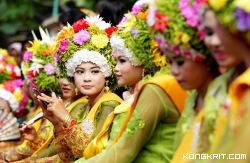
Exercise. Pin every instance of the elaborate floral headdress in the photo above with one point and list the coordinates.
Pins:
(9, 69)
(175, 27)
(134, 40)
(12, 92)
(234, 14)
(87, 40)
(39, 65)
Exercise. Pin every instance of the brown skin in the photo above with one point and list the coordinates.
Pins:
(192, 75)
(222, 45)
(234, 44)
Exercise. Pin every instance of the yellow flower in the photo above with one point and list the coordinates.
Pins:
(3, 52)
(1, 86)
(181, 37)
(100, 41)
(35, 46)
(130, 23)
(244, 4)
(217, 4)
(25, 68)
(158, 59)
(18, 95)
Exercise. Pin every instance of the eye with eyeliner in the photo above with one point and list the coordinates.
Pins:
(208, 31)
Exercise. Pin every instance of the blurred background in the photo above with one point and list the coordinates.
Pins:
(19, 17)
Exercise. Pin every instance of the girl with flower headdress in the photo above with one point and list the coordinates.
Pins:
(85, 57)
(41, 75)
(232, 27)
(142, 128)
(176, 29)
(13, 100)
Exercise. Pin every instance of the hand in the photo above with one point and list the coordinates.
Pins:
(2, 161)
(28, 132)
(55, 108)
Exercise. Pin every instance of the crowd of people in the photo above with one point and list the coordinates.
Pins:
(167, 81)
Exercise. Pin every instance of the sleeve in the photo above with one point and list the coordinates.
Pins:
(152, 107)
(75, 138)
(27, 148)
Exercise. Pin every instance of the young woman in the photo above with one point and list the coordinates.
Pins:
(191, 65)
(234, 118)
(142, 128)
(41, 75)
(85, 55)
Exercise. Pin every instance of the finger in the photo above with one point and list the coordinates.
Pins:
(45, 99)
(45, 96)
(53, 95)
(43, 106)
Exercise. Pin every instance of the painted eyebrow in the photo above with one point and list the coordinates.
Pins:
(90, 68)
(177, 57)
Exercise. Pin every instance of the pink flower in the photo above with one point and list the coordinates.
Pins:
(18, 82)
(183, 4)
(27, 55)
(124, 19)
(81, 37)
(151, 15)
(63, 46)
(136, 9)
(49, 69)
(57, 58)
(161, 43)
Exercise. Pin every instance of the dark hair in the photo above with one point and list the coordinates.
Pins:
(71, 16)
(29, 37)
(111, 11)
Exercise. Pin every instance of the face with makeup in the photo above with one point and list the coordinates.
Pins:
(126, 73)
(89, 79)
(223, 57)
(189, 74)
(67, 88)
(5, 105)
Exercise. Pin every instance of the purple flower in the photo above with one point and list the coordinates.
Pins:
(136, 9)
(242, 19)
(49, 69)
(57, 58)
(63, 46)
(161, 43)
(134, 32)
(81, 37)
(27, 55)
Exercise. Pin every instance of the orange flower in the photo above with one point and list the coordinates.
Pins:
(2, 66)
(65, 34)
(47, 52)
(142, 15)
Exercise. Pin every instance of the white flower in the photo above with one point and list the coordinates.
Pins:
(8, 96)
(117, 43)
(88, 56)
(87, 126)
(97, 20)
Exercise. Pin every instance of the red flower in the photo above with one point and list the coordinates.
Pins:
(162, 22)
(110, 31)
(9, 86)
(33, 73)
(79, 25)
(21, 113)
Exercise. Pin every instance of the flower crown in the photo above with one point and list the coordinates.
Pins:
(234, 14)
(176, 29)
(12, 92)
(87, 40)
(39, 65)
(134, 40)
(8, 67)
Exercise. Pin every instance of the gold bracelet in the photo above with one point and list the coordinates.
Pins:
(66, 120)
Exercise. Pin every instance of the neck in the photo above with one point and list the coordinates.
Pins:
(94, 98)
(202, 92)
(133, 88)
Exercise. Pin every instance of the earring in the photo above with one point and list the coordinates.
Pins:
(143, 70)
(76, 90)
(106, 86)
